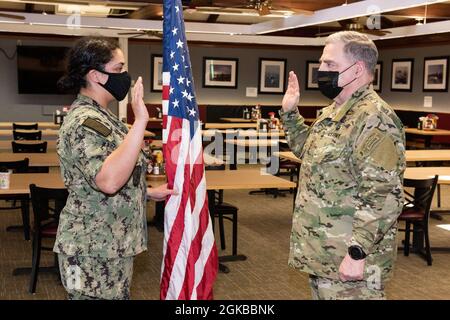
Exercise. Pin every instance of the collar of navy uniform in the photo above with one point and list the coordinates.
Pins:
(91, 102)
(356, 96)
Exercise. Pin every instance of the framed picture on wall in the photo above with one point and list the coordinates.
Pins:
(402, 74)
(272, 74)
(435, 74)
(311, 75)
(220, 72)
(378, 76)
(156, 72)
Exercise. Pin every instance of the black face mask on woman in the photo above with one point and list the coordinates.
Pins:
(328, 82)
(118, 84)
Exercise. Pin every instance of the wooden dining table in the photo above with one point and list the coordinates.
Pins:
(428, 155)
(211, 125)
(288, 155)
(53, 133)
(209, 133)
(254, 142)
(5, 145)
(411, 172)
(429, 172)
(240, 146)
(261, 134)
(237, 120)
(427, 135)
(41, 125)
(242, 120)
(49, 159)
(215, 180)
(417, 173)
(46, 133)
(246, 133)
(410, 155)
(147, 134)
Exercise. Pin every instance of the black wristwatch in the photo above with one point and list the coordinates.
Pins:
(356, 253)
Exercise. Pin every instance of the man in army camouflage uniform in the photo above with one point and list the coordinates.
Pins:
(103, 225)
(350, 185)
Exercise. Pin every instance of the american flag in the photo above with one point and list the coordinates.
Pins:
(190, 261)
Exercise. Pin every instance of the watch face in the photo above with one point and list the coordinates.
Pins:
(356, 253)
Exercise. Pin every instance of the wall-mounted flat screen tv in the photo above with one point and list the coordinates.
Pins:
(39, 68)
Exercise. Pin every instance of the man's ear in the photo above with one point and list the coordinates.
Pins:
(360, 67)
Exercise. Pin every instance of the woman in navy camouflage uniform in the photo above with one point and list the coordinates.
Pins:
(103, 225)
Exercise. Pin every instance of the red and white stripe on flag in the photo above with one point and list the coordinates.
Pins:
(190, 261)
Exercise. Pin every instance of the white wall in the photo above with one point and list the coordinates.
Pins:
(413, 100)
(15, 107)
(140, 61)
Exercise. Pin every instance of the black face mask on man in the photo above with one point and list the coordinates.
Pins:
(328, 82)
(118, 84)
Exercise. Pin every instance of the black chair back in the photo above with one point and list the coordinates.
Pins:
(18, 147)
(215, 167)
(223, 210)
(41, 200)
(27, 135)
(416, 212)
(422, 197)
(47, 205)
(33, 126)
(20, 166)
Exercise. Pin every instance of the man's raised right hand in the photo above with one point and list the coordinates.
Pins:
(292, 95)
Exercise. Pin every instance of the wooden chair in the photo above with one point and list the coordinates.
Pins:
(32, 126)
(416, 212)
(27, 135)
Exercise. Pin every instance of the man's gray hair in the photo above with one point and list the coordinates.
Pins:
(357, 47)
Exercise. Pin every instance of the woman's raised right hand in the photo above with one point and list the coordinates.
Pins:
(137, 102)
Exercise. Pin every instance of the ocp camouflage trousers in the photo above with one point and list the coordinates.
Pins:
(329, 289)
(90, 278)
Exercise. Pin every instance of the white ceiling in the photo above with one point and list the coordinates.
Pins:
(81, 25)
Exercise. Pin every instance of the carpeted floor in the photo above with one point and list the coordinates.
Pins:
(264, 229)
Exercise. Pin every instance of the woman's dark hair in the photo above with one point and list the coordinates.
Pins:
(87, 54)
